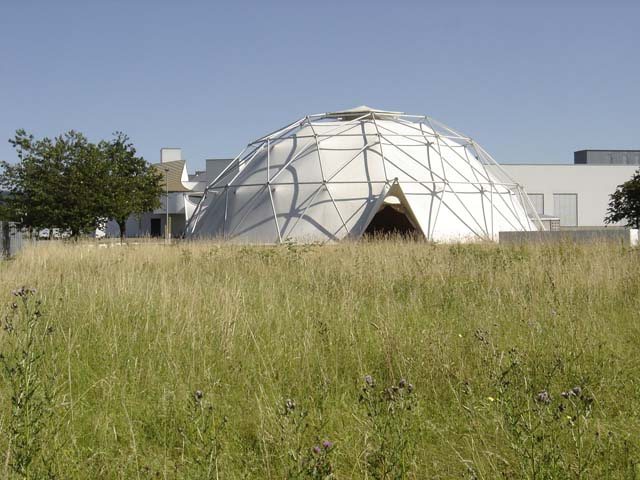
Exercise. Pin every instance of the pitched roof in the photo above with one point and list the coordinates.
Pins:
(175, 174)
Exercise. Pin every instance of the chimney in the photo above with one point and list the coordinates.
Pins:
(170, 154)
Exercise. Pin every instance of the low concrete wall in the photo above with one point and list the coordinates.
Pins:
(617, 235)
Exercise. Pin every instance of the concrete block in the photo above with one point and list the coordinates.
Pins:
(617, 235)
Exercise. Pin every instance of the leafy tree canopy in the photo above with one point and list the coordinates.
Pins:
(72, 184)
(624, 203)
(131, 184)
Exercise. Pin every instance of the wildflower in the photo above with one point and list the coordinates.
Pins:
(460, 335)
(23, 292)
(197, 395)
(574, 392)
(327, 444)
(543, 397)
(289, 405)
(491, 399)
(402, 383)
(368, 379)
(316, 450)
(481, 335)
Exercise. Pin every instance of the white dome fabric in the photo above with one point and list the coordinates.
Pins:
(324, 178)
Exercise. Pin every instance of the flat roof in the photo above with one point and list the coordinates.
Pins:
(607, 150)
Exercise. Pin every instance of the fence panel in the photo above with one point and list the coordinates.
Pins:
(12, 239)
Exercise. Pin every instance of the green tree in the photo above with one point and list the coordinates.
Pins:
(131, 184)
(73, 184)
(55, 183)
(624, 203)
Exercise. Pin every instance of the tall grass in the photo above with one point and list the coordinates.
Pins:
(384, 359)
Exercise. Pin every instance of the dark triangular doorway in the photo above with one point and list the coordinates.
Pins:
(394, 217)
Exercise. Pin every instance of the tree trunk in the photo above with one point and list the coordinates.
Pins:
(122, 224)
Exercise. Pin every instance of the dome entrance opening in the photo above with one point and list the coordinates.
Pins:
(391, 222)
(393, 218)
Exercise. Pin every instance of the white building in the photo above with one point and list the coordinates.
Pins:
(184, 191)
(577, 194)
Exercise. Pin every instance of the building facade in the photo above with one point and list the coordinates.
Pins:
(576, 194)
(182, 194)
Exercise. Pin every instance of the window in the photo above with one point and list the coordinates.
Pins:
(565, 207)
(537, 200)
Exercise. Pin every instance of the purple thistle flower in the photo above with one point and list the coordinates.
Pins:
(316, 450)
(543, 397)
(574, 392)
(23, 292)
(327, 444)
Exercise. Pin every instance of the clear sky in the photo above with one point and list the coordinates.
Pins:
(530, 83)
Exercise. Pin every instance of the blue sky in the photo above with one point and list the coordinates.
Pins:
(529, 83)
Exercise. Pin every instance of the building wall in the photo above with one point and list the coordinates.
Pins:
(140, 226)
(592, 185)
(215, 166)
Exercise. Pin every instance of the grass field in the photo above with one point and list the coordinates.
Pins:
(363, 360)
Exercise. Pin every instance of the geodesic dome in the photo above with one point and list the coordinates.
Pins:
(339, 175)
